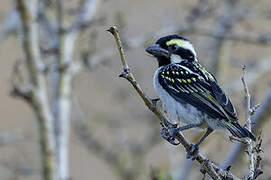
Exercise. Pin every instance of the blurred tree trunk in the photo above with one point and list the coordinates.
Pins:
(48, 85)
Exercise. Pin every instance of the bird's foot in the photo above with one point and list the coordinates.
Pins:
(169, 134)
(193, 152)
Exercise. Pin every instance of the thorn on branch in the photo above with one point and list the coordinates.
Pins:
(228, 168)
(258, 145)
(24, 94)
(253, 109)
(16, 81)
(64, 67)
(125, 73)
(257, 173)
(126, 70)
(122, 75)
(112, 30)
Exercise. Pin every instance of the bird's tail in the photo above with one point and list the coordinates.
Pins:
(237, 130)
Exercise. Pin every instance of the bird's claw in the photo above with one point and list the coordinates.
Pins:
(193, 152)
(170, 135)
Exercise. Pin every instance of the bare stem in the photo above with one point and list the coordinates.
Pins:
(248, 124)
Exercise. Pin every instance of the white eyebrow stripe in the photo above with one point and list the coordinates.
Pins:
(189, 46)
(182, 43)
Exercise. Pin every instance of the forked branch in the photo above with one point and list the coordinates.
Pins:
(253, 150)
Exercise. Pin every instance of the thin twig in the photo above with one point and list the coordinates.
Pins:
(211, 168)
(260, 117)
(251, 153)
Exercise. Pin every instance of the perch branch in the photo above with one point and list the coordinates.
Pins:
(211, 168)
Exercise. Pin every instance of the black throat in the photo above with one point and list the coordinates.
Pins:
(163, 61)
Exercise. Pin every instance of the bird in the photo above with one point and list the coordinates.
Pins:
(190, 94)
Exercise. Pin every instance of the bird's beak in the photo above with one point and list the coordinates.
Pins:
(157, 51)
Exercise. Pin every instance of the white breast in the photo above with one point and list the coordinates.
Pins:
(178, 112)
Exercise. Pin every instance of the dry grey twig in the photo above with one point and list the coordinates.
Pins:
(252, 150)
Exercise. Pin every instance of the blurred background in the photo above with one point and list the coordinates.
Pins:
(112, 133)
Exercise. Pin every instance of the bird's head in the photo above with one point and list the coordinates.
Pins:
(172, 49)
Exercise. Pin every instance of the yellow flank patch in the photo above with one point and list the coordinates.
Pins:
(189, 80)
(184, 80)
(167, 72)
(173, 72)
(177, 73)
(163, 72)
(172, 80)
(179, 42)
(181, 72)
(194, 79)
(186, 72)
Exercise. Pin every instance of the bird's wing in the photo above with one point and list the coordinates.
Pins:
(192, 84)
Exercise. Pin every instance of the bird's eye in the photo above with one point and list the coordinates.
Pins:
(191, 58)
(173, 47)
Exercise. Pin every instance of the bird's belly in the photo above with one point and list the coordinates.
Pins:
(185, 113)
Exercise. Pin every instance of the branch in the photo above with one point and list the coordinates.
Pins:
(253, 154)
(34, 66)
(211, 168)
(260, 117)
